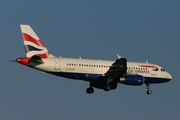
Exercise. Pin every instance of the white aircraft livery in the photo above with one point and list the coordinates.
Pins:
(101, 74)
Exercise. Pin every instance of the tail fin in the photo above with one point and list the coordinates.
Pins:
(32, 43)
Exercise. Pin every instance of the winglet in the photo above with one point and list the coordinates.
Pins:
(118, 56)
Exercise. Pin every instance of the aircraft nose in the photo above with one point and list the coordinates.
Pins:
(169, 76)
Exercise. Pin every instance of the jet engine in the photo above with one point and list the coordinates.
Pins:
(132, 80)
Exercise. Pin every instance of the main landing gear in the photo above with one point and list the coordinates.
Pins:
(107, 88)
(148, 89)
(89, 90)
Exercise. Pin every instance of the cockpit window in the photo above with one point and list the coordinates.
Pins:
(155, 69)
(162, 69)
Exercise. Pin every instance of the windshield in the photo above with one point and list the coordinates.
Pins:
(155, 69)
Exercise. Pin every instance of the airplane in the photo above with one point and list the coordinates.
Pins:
(101, 74)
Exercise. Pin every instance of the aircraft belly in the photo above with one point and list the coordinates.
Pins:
(156, 80)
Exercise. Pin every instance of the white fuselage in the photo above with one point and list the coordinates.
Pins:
(86, 68)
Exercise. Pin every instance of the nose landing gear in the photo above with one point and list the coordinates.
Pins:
(148, 89)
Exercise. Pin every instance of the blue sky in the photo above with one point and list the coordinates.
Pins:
(138, 30)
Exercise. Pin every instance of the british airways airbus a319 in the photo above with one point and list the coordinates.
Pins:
(101, 74)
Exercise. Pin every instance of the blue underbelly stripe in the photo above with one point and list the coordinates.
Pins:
(92, 77)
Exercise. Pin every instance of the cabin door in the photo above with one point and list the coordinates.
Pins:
(153, 71)
(57, 64)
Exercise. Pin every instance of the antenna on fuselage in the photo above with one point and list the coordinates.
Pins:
(147, 61)
(79, 57)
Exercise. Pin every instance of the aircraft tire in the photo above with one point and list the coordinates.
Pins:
(89, 90)
(107, 88)
(149, 92)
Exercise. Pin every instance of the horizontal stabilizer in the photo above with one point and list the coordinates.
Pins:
(35, 59)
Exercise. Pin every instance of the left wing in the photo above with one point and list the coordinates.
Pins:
(118, 68)
(109, 80)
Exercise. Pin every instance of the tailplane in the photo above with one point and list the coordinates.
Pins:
(33, 45)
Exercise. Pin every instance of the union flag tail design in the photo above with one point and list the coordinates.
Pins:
(33, 45)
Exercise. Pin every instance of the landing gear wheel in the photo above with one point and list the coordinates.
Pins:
(89, 90)
(148, 89)
(149, 92)
(107, 88)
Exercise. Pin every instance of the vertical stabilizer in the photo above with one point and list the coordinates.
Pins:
(33, 45)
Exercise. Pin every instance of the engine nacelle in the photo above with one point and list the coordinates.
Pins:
(132, 80)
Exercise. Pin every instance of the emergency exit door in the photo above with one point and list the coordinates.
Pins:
(57, 64)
